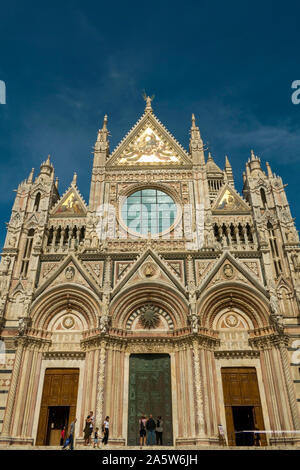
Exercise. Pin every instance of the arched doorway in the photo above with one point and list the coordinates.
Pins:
(149, 393)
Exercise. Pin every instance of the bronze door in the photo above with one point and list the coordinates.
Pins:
(241, 398)
(60, 390)
(149, 393)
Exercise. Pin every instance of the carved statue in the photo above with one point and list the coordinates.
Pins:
(22, 326)
(104, 322)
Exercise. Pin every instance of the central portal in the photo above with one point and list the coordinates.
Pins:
(149, 393)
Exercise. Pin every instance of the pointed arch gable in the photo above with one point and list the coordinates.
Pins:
(230, 295)
(132, 297)
(57, 298)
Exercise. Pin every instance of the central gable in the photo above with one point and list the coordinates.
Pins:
(149, 143)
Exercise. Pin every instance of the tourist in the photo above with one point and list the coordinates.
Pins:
(150, 426)
(62, 435)
(105, 429)
(159, 431)
(96, 440)
(70, 441)
(92, 419)
(142, 429)
(87, 429)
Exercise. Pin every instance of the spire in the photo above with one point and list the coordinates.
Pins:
(253, 157)
(56, 183)
(47, 168)
(227, 164)
(196, 144)
(74, 181)
(212, 168)
(228, 171)
(30, 177)
(269, 171)
(193, 121)
(103, 132)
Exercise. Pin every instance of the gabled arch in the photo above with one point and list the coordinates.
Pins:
(135, 296)
(54, 300)
(230, 295)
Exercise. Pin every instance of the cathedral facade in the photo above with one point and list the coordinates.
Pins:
(169, 294)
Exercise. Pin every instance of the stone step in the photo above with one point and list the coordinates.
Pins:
(150, 448)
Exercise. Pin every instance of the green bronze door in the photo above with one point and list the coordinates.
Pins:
(149, 393)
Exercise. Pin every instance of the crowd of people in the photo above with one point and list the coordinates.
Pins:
(91, 433)
(150, 432)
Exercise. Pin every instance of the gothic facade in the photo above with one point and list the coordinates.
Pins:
(168, 293)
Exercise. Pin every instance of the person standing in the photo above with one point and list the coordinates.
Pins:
(70, 441)
(91, 421)
(96, 439)
(142, 430)
(159, 431)
(87, 429)
(105, 429)
(62, 435)
(150, 426)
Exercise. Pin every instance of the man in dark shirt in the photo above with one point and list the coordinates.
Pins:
(150, 426)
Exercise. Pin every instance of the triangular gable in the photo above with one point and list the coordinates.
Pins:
(228, 200)
(70, 205)
(64, 275)
(149, 143)
(229, 269)
(147, 262)
(32, 221)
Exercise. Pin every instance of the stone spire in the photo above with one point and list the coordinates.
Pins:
(102, 144)
(30, 177)
(47, 168)
(269, 171)
(196, 144)
(254, 163)
(228, 171)
(74, 181)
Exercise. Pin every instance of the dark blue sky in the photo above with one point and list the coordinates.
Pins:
(68, 63)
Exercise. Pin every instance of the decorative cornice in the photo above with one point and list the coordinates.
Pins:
(236, 354)
(64, 355)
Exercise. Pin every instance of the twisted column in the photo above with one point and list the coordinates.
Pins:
(199, 397)
(100, 385)
(289, 384)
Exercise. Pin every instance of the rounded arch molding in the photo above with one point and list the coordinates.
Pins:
(134, 297)
(66, 296)
(233, 296)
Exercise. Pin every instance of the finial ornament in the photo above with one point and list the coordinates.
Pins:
(193, 121)
(252, 155)
(104, 128)
(148, 102)
(74, 181)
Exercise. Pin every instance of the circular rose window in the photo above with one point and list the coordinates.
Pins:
(149, 211)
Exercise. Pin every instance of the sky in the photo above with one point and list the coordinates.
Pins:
(66, 64)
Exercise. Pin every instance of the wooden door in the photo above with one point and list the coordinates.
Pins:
(60, 389)
(240, 388)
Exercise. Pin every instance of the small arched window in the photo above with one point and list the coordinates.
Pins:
(27, 253)
(263, 197)
(37, 202)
